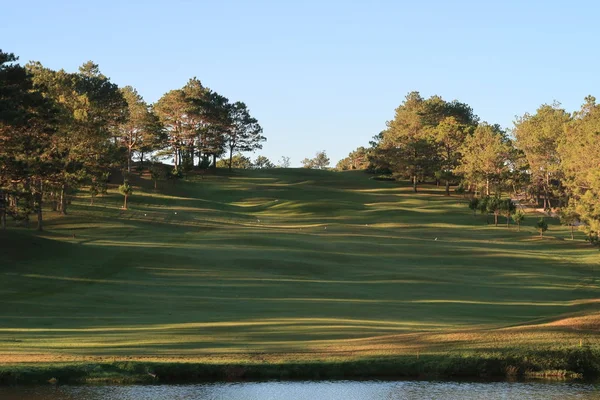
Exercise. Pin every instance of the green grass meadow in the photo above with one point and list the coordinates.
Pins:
(290, 265)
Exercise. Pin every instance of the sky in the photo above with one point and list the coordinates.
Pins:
(328, 74)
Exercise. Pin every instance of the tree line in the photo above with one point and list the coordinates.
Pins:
(551, 157)
(60, 130)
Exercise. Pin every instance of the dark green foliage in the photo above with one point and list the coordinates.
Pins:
(244, 132)
(494, 206)
(238, 161)
(175, 174)
(262, 162)
(519, 217)
(158, 172)
(423, 140)
(568, 363)
(482, 205)
(474, 204)
(508, 208)
(542, 226)
(126, 190)
(570, 217)
(320, 161)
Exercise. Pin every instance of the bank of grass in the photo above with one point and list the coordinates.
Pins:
(288, 272)
(548, 365)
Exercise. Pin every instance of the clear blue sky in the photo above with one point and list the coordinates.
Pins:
(325, 75)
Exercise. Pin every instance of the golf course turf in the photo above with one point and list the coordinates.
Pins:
(292, 273)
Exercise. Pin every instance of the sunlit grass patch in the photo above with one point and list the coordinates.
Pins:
(290, 264)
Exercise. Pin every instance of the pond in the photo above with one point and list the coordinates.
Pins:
(347, 390)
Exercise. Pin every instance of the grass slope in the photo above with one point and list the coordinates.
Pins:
(283, 266)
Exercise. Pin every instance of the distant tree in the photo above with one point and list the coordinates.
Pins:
(483, 208)
(538, 136)
(569, 217)
(157, 172)
(98, 186)
(173, 110)
(409, 157)
(320, 161)
(237, 161)
(357, 159)
(542, 226)
(474, 204)
(519, 216)
(580, 157)
(450, 135)
(508, 208)
(424, 138)
(244, 133)
(126, 190)
(284, 162)
(495, 206)
(91, 110)
(262, 162)
(460, 190)
(142, 127)
(484, 156)
(28, 133)
(198, 123)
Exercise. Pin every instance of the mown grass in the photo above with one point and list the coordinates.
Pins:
(292, 266)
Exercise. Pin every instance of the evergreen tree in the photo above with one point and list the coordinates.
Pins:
(244, 132)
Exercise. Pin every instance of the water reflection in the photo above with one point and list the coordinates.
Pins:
(347, 390)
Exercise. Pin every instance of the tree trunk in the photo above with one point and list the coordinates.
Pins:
(214, 164)
(3, 205)
(129, 160)
(414, 183)
(487, 186)
(447, 187)
(53, 203)
(155, 184)
(191, 155)
(230, 157)
(495, 219)
(572, 237)
(40, 222)
(541, 233)
(142, 160)
(546, 194)
(125, 203)
(518, 227)
(507, 220)
(63, 201)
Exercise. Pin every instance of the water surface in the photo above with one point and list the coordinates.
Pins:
(346, 390)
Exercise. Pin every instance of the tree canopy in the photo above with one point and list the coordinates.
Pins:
(62, 130)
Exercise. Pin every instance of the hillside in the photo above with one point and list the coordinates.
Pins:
(288, 265)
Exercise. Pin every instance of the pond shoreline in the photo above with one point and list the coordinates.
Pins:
(578, 363)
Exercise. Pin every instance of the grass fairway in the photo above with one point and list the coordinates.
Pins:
(290, 265)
